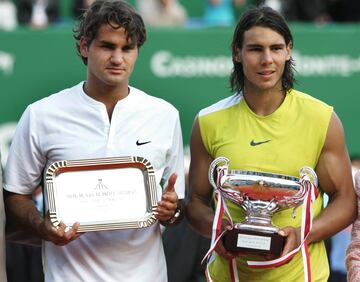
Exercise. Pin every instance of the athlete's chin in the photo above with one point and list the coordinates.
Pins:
(115, 81)
(267, 85)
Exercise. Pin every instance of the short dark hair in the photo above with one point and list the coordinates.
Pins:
(265, 17)
(116, 13)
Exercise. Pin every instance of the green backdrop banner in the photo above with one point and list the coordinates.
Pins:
(187, 67)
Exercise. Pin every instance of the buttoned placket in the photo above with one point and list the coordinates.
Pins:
(117, 120)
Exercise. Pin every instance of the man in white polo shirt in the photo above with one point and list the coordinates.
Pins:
(101, 117)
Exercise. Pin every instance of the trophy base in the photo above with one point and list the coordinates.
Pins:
(253, 242)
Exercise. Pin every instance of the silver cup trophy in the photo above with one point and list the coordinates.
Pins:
(260, 195)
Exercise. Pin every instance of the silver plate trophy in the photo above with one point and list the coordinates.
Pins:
(102, 193)
(260, 195)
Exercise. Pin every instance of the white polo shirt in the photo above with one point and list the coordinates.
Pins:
(71, 125)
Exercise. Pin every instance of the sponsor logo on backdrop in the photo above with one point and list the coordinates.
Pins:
(327, 65)
(7, 62)
(7, 131)
(165, 64)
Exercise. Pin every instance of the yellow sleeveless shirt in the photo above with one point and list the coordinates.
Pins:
(282, 142)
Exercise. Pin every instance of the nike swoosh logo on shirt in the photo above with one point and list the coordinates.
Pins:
(142, 143)
(254, 143)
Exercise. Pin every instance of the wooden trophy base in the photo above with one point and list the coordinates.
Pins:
(254, 242)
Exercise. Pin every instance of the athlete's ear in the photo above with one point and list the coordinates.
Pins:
(83, 47)
(237, 55)
(289, 50)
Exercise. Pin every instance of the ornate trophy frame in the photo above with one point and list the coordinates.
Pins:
(102, 193)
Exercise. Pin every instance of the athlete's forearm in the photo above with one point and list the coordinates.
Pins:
(340, 213)
(200, 217)
(21, 212)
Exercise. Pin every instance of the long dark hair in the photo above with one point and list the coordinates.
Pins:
(115, 13)
(265, 17)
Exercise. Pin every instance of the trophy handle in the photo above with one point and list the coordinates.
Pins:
(310, 173)
(214, 164)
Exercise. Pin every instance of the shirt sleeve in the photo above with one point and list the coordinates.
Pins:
(25, 161)
(175, 161)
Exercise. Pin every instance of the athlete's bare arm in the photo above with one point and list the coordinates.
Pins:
(335, 179)
(21, 211)
(199, 213)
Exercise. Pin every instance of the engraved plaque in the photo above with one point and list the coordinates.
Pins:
(102, 193)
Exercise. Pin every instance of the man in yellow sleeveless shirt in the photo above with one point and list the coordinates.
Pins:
(267, 126)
